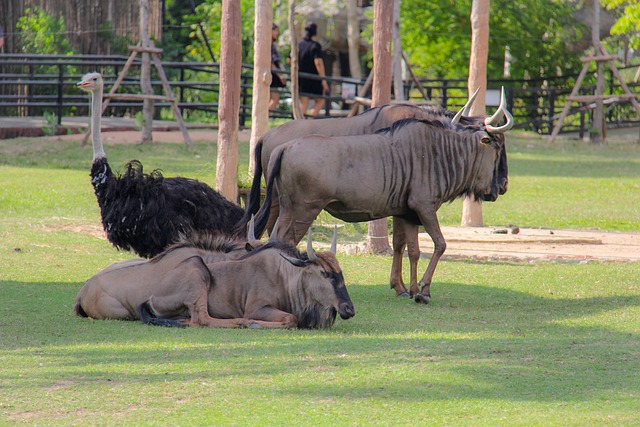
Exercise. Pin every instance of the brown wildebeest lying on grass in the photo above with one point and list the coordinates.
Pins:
(272, 286)
(366, 123)
(407, 171)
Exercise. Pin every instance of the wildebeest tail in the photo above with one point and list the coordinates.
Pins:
(263, 214)
(146, 314)
(254, 195)
(79, 310)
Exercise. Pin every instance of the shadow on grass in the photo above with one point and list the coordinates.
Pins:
(505, 344)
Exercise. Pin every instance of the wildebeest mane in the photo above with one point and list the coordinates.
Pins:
(208, 241)
(279, 245)
(391, 130)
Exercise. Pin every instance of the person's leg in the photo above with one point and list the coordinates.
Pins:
(317, 106)
(304, 102)
(274, 100)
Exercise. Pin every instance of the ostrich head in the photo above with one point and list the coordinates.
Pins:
(91, 82)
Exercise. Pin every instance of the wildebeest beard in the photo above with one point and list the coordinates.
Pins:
(315, 317)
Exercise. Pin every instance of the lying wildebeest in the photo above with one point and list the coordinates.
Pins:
(272, 286)
(369, 122)
(407, 171)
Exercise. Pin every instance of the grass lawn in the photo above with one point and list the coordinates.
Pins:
(500, 344)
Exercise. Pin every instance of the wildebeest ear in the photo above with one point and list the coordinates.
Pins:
(294, 261)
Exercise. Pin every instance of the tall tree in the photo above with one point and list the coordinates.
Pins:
(472, 210)
(398, 87)
(229, 104)
(382, 36)
(353, 38)
(295, 99)
(145, 75)
(261, 74)
(597, 127)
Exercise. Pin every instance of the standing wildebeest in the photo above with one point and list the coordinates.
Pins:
(363, 124)
(147, 212)
(407, 171)
(273, 286)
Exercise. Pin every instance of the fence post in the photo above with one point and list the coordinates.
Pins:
(60, 90)
(445, 84)
(245, 96)
(552, 108)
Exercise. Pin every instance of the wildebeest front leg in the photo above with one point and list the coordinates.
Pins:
(270, 317)
(429, 220)
(187, 287)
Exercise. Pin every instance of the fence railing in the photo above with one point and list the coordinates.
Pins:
(32, 85)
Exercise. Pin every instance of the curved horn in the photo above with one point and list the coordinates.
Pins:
(274, 231)
(501, 129)
(466, 109)
(251, 234)
(311, 254)
(489, 122)
(497, 116)
(334, 241)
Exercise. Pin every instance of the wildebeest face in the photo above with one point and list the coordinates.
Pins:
(500, 178)
(323, 282)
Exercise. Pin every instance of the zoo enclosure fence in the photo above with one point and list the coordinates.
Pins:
(37, 85)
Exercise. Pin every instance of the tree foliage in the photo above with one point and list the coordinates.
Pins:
(42, 34)
(208, 15)
(628, 23)
(436, 36)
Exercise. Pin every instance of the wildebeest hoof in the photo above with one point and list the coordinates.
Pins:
(254, 325)
(424, 299)
(403, 295)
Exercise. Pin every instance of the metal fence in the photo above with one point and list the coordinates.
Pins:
(32, 85)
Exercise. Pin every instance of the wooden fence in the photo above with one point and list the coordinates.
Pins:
(31, 85)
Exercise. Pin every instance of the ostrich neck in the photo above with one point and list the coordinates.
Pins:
(96, 113)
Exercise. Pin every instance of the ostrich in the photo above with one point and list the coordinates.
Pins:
(146, 212)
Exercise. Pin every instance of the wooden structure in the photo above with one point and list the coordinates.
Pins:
(601, 56)
(155, 58)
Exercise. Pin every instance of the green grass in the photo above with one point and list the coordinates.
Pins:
(500, 344)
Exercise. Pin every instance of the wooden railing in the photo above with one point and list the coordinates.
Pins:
(31, 85)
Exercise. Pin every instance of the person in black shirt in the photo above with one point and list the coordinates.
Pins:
(310, 61)
(277, 81)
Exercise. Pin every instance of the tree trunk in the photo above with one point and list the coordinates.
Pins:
(295, 99)
(597, 127)
(145, 75)
(472, 210)
(398, 87)
(382, 32)
(229, 103)
(261, 75)
(353, 38)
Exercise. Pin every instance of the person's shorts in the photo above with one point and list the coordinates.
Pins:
(310, 86)
(275, 81)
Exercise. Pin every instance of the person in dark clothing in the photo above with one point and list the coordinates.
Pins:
(277, 80)
(310, 61)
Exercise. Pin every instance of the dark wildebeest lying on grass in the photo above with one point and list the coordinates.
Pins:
(272, 286)
(363, 124)
(407, 171)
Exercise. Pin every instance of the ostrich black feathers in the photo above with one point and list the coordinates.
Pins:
(145, 213)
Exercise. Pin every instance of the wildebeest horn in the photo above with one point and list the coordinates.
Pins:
(466, 109)
(251, 234)
(274, 231)
(334, 241)
(311, 254)
(490, 122)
